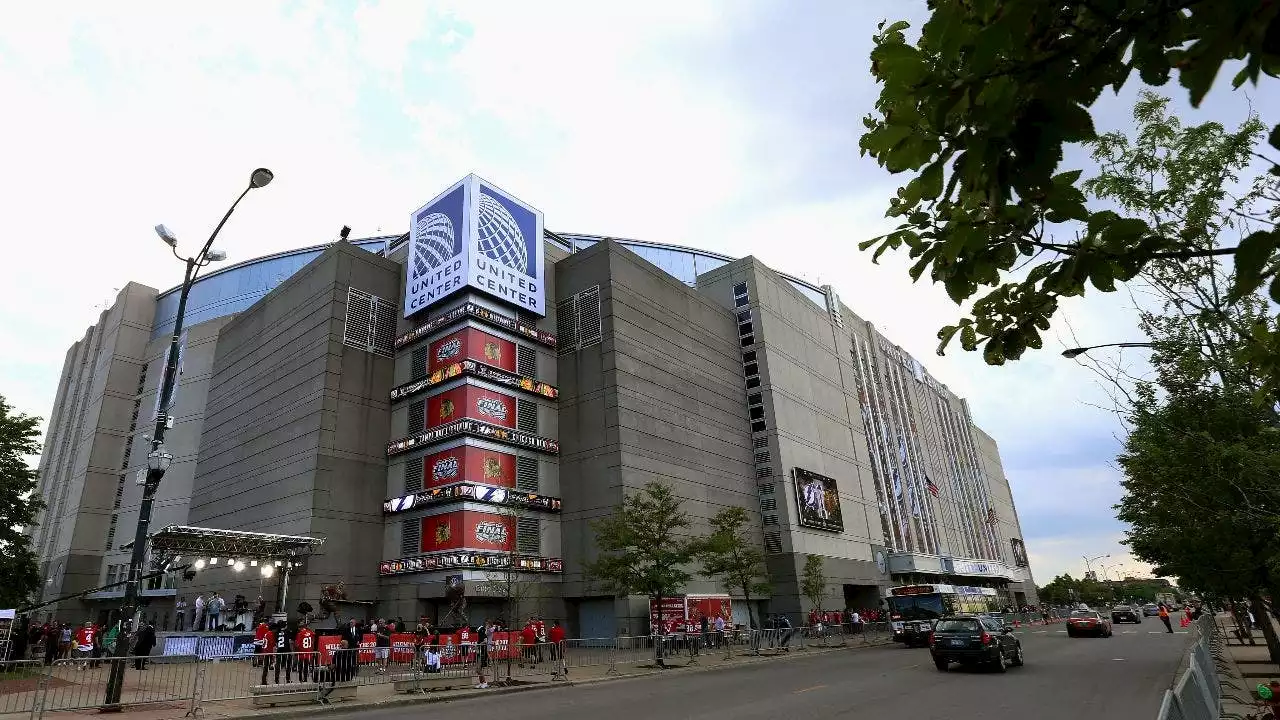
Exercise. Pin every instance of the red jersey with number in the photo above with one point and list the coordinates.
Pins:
(306, 640)
(269, 642)
(85, 635)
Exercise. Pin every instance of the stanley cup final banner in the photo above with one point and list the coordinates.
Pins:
(468, 529)
(474, 235)
(472, 344)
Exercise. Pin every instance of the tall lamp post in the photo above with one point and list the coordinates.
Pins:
(159, 459)
(1088, 562)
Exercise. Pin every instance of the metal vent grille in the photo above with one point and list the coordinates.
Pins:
(411, 536)
(589, 328)
(417, 417)
(760, 442)
(762, 457)
(770, 520)
(766, 488)
(759, 426)
(529, 535)
(413, 475)
(370, 323)
(527, 473)
(567, 325)
(526, 415)
(526, 361)
(418, 363)
(769, 504)
(764, 472)
(773, 542)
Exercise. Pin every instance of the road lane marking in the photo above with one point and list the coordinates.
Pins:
(1061, 631)
(1154, 632)
(815, 687)
(1041, 632)
(1117, 658)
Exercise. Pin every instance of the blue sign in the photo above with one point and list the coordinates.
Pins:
(476, 236)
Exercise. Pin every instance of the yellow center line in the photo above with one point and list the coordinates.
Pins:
(815, 687)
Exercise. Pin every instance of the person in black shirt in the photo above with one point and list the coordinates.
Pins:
(284, 652)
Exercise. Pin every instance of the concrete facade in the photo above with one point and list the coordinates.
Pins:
(295, 427)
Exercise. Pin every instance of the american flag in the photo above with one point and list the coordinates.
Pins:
(933, 489)
(991, 516)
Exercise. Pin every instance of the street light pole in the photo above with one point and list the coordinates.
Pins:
(159, 459)
(1088, 562)
(1077, 351)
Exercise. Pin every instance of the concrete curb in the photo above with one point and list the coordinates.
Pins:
(409, 699)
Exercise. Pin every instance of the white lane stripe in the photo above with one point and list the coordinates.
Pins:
(1154, 632)
(1061, 631)
(1041, 632)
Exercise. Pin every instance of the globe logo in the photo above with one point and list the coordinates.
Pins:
(435, 243)
(498, 235)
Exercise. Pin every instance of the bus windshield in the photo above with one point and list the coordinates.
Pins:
(916, 607)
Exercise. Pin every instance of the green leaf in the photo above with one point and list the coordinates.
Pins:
(968, 338)
(1274, 138)
(1075, 123)
(1252, 255)
(1102, 276)
(931, 181)
(944, 337)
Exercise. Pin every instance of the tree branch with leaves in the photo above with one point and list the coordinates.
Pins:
(731, 555)
(979, 109)
(19, 441)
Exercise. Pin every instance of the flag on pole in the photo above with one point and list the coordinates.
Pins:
(991, 516)
(932, 488)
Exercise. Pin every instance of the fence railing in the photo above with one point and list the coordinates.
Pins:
(30, 688)
(1196, 693)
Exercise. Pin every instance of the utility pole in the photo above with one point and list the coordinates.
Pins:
(159, 459)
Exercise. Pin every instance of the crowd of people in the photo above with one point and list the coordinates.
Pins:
(87, 642)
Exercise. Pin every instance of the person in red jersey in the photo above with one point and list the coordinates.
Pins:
(305, 645)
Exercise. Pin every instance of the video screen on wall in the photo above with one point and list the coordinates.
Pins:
(818, 500)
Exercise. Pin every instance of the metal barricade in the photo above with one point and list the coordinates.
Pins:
(588, 652)
(82, 683)
(1197, 693)
(21, 682)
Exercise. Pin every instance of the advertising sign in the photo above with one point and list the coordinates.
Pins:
(1019, 553)
(402, 647)
(818, 500)
(368, 642)
(474, 235)
(472, 344)
(329, 644)
(468, 463)
(709, 607)
(468, 529)
(468, 401)
(672, 615)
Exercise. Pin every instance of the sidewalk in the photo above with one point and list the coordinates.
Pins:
(1240, 670)
(382, 694)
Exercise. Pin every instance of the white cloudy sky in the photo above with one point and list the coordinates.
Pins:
(731, 126)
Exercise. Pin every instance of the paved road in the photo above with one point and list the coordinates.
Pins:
(1119, 678)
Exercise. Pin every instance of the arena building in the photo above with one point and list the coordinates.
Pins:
(469, 397)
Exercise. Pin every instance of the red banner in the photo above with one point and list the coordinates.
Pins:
(472, 464)
(472, 344)
(672, 618)
(505, 645)
(446, 407)
(402, 647)
(367, 644)
(328, 644)
(710, 608)
(468, 529)
(471, 402)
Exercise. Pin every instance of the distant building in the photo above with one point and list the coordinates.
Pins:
(505, 413)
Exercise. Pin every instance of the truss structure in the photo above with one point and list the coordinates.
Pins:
(211, 542)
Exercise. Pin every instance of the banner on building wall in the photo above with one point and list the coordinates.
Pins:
(1019, 553)
(472, 344)
(468, 529)
(469, 401)
(469, 463)
(177, 378)
(476, 236)
(818, 501)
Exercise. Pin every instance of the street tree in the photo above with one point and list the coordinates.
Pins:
(732, 556)
(19, 441)
(1200, 492)
(645, 548)
(979, 109)
(813, 581)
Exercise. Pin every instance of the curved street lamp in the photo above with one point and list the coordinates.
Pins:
(159, 459)
(1077, 351)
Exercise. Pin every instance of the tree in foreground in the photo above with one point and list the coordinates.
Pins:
(979, 109)
(19, 439)
(732, 556)
(644, 549)
(1201, 495)
(813, 581)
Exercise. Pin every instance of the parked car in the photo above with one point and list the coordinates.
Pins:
(973, 640)
(1126, 613)
(1088, 622)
